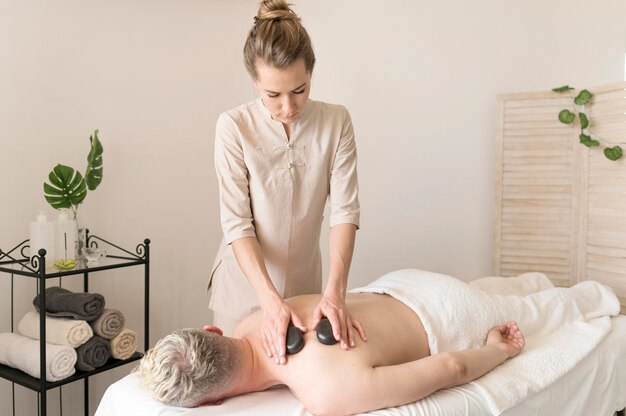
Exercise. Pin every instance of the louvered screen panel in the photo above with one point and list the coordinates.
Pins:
(604, 249)
(536, 209)
(561, 207)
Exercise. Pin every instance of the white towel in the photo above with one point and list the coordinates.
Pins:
(60, 331)
(522, 285)
(21, 352)
(124, 345)
(561, 327)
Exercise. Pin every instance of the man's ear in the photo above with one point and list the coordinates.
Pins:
(212, 328)
(211, 403)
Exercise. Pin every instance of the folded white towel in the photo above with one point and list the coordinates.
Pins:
(561, 326)
(60, 331)
(21, 352)
(124, 345)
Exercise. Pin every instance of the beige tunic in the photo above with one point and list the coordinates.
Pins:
(275, 189)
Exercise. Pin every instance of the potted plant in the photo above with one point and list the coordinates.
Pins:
(67, 188)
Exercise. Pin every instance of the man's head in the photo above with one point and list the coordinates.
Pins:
(189, 367)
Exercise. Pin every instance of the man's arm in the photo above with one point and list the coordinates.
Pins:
(389, 386)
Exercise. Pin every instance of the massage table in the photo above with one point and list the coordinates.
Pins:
(596, 386)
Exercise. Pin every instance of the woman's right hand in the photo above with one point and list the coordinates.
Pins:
(276, 318)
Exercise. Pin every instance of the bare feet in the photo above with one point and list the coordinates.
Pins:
(507, 338)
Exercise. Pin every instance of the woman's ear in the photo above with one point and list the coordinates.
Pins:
(212, 328)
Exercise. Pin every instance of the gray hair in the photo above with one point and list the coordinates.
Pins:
(187, 367)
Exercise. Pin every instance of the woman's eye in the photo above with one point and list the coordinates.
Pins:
(299, 92)
(272, 96)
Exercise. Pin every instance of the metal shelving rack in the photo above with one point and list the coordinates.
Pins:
(16, 262)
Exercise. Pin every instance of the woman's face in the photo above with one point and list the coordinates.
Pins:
(284, 91)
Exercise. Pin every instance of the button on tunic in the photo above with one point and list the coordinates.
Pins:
(275, 189)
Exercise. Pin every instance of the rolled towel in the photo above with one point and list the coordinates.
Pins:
(64, 303)
(124, 345)
(109, 324)
(93, 354)
(21, 352)
(60, 331)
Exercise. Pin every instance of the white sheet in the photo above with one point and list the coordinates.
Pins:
(596, 386)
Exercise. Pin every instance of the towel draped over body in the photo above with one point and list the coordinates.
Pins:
(457, 316)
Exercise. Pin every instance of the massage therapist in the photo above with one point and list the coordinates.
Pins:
(278, 160)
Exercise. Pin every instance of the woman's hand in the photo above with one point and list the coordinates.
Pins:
(334, 308)
(276, 317)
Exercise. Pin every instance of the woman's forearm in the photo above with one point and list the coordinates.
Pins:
(341, 245)
(250, 258)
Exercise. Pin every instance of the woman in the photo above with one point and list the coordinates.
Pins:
(278, 160)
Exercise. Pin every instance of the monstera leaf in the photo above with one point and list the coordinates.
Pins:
(66, 188)
(93, 175)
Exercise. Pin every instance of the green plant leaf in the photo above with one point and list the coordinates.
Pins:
(584, 121)
(566, 117)
(583, 97)
(588, 141)
(613, 153)
(563, 88)
(93, 174)
(67, 187)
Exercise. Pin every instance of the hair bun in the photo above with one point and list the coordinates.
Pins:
(275, 10)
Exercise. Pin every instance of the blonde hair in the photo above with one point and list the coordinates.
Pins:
(187, 367)
(277, 38)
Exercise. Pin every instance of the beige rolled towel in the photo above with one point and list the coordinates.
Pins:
(109, 324)
(60, 331)
(124, 345)
(21, 352)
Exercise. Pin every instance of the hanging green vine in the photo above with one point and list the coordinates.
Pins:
(586, 137)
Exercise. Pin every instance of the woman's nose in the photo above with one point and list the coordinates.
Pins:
(288, 105)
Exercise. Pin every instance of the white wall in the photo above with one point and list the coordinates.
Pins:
(420, 79)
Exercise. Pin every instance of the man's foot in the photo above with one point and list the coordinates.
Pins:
(506, 337)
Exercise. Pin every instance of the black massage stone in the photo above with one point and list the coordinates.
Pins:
(325, 332)
(295, 340)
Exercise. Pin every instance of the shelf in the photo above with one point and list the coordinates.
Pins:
(22, 266)
(16, 261)
(33, 383)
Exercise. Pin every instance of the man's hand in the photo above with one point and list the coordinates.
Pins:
(276, 317)
(334, 308)
(506, 337)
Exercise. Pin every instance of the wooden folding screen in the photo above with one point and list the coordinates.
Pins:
(560, 206)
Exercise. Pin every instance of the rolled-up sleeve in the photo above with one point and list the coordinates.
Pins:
(232, 178)
(344, 187)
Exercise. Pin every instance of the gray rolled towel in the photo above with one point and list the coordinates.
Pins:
(64, 303)
(109, 324)
(93, 354)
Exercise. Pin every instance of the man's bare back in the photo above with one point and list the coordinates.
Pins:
(393, 367)
(395, 336)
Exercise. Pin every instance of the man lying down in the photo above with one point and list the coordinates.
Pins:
(425, 332)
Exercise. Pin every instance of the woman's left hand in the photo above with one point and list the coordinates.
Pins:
(334, 308)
